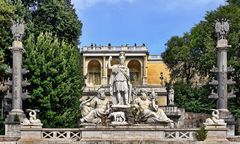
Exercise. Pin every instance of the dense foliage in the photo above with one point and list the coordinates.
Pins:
(6, 12)
(52, 58)
(55, 80)
(191, 56)
(193, 99)
(201, 134)
(55, 16)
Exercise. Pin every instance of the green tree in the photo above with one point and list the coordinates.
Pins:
(193, 99)
(55, 16)
(202, 43)
(55, 80)
(178, 57)
(6, 12)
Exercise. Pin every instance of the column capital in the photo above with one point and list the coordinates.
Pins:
(17, 46)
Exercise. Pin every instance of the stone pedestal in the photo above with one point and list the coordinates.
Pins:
(128, 114)
(115, 133)
(31, 132)
(230, 120)
(216, 133)
(238, 126)
(12, 129)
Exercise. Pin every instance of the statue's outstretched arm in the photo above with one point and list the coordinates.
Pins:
(153, 105)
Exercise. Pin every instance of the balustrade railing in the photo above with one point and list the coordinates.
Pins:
(182, 134)
(114, 48)
(154, 57)
(172, 110)
(61, 134)
(75, 134)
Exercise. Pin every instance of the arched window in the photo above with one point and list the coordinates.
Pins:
(94, 73)
(135, 72)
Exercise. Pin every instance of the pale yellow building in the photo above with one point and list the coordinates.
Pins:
(146, 71)
(157, 71)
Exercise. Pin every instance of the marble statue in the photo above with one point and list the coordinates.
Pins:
(171, 96)
(120, 86)
(18, 28)
(222, 28)
(32, 118)
(215, 120)
(118, 116)
(85, 105)
(149, 111)
(93, 110)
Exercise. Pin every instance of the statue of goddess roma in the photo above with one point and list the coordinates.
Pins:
(120, 86)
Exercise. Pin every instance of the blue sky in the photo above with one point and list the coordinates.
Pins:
(152, 22)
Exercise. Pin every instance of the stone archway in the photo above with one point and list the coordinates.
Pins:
(135, 72)
(94, 73)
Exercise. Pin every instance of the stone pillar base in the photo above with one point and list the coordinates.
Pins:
(12, 129)
(216, 133)
(16, 115)
(31, 132)
(12, 123)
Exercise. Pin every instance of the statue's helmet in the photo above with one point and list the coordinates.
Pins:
(122, 57)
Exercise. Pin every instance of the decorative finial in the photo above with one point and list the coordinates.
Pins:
(18, 28)
(222, 28)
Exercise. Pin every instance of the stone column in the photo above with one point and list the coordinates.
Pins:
(17, 51)
(145, 71)
(85, 68)
(16, 115)
(104, 72)
(222, 78)
(222, 82)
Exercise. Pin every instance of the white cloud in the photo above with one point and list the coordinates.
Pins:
(187, 4)
(84, 4)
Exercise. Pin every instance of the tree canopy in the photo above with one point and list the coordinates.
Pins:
(55, 80)
(191, 56)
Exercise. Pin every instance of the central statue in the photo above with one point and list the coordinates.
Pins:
(120, 86)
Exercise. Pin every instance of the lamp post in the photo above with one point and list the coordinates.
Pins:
(161, 78)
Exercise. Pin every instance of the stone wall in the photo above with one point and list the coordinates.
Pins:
(154, 68)
(8, 140)
(194, 120)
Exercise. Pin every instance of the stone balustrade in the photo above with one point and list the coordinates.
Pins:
(137, 134)
(113, 48)
(172, 110)
(180, 134)
(61, 134)
(75, 134)
(154, 57)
